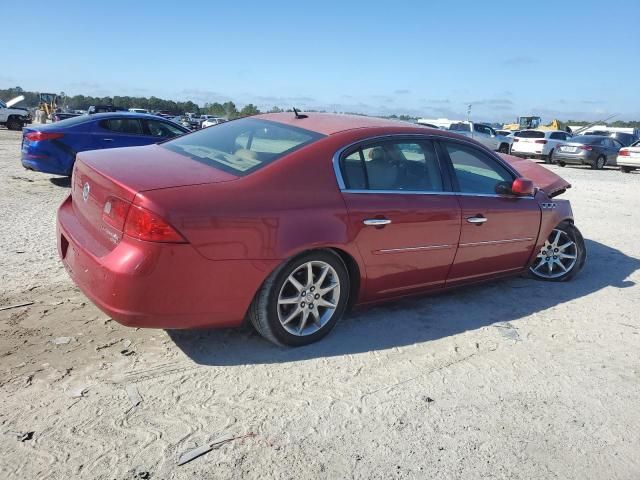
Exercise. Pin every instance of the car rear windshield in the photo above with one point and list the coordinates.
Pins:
(460, 127)
(242, 146)
(70, 122)
(530, 134)
(585, 139)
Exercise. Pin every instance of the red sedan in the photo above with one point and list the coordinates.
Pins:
(287, 220)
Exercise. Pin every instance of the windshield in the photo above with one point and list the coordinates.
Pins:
(530, 134)
(585, 139)
(242, 146)
(460, 127)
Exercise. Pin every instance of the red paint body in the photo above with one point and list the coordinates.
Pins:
(239, 229)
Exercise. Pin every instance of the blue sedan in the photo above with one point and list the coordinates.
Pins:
(52, 148)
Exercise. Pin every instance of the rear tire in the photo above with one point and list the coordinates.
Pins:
(561, 257)
(599, 163)
(625, 169)
(294, 307)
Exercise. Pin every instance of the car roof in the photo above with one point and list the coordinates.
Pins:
(330, 123)
(123, 114)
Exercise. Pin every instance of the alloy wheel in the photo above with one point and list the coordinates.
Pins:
(557, 256)
(308, 298)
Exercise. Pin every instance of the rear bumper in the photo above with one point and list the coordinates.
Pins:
(155, 285)
(528, 155)
(628, 162)
(574, 159)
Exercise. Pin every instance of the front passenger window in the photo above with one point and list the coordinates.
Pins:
(476, 171)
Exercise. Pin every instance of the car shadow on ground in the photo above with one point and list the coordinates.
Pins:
(61, 181)
(418, 320)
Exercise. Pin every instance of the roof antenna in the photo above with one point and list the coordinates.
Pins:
(298, 114)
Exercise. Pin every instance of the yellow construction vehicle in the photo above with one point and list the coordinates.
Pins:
(48, 104)
(534, 123)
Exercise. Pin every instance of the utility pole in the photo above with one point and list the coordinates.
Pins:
(468, 112)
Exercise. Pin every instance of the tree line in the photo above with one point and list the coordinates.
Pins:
(226, 109)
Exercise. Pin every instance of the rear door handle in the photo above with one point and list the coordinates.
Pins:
(477, 220)
(376, 222)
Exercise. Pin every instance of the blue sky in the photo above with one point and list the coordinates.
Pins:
(558, 59)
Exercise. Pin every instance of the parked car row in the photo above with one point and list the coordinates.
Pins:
(595, 149)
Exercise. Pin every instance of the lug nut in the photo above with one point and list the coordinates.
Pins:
(544, 252)
(311, 305)
(317, 296)
(302, 304)
(313, 288)
(547, 259)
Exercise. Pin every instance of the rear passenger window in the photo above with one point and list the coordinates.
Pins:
(476, 172)
(556, 136)
(131, 126)
(402, 166)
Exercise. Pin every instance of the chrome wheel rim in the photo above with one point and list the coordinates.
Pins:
(557, 256)
(308, 298)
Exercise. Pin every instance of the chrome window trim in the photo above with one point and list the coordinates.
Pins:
(416, 136)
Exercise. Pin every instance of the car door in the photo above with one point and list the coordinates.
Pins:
(498, 231)
(403, 216)
(120, 132)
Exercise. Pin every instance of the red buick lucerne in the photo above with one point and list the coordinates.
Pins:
(287, 220)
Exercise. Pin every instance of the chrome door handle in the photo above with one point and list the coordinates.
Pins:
(108, 139)
(478, 220)
(377, 222)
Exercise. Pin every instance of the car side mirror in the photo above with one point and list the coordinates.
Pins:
(522, 187)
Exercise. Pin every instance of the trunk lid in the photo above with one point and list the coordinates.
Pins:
(542, 178)
(119, 174)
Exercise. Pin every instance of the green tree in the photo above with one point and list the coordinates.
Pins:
(248, 110)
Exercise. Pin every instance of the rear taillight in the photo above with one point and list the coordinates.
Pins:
(143, 224)
(114, 212)
(541, 141)
(586, 147)
(624, 153)
(39, 136)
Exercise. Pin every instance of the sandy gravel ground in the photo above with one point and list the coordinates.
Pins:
(517, 379)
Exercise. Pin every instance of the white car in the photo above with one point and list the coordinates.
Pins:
(629, 157)
(14, 118)
(483, 134)
(210, 122)
(538, 143)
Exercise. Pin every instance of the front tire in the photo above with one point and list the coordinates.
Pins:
(504, 148)
(14, 124)
(562, 256)
(301, 301)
